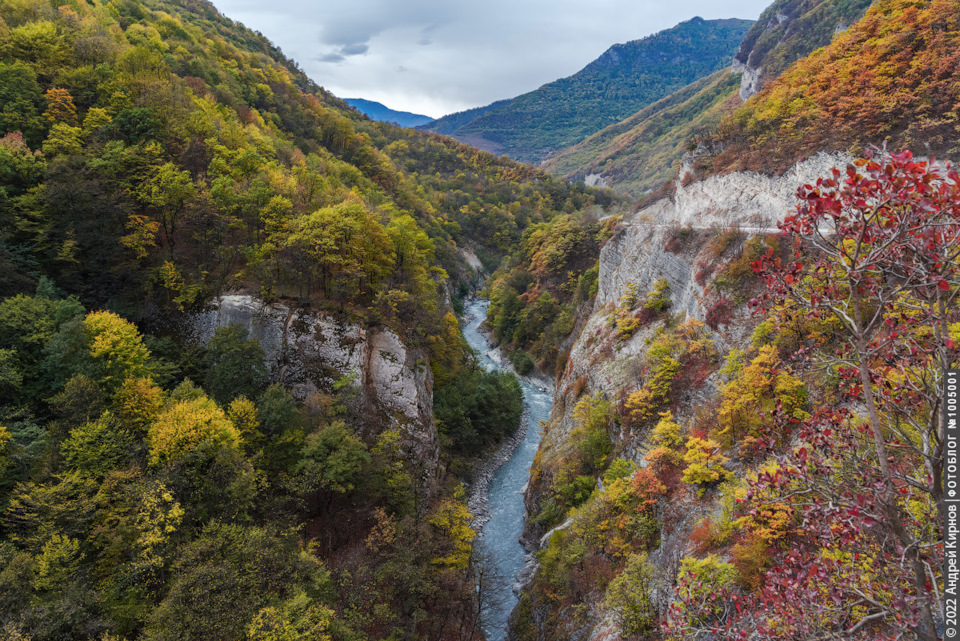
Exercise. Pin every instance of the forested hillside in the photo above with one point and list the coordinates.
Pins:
(788, 30)
(643, 151)
(626, 78)
(891, 77)
(154, 155)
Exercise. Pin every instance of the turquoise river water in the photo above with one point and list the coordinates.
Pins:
(501, 533)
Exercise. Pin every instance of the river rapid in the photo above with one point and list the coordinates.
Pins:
(497, 502)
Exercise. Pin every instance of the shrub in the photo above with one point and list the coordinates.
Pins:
(751, 557)
(593, 415)
(621, 468)
(628, 596)
(700, 579)
(677, 238)
(760, 388)
(522, 362)
(642, 403)
(657, 298)
(720, 313)
(580, 386)
(704, 462)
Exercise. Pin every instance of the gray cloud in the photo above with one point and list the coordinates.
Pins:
(355, 49)
(440, 56)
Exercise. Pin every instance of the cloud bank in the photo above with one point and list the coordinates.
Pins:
(436, 56)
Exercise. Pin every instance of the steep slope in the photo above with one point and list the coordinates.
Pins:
(640, 153)
(377, 111)
(787, 31)
(890, 77)
(643, 151)
(688, 249)
(664, 500)
(626, 78)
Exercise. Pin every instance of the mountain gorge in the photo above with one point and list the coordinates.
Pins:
(236, 402)
(234, 396)
(713, 379)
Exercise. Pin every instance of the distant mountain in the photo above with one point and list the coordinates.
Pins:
(382, 113)
(644, 150)
(448, 125)
(625, 79)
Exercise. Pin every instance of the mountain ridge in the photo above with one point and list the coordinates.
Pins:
(624, 79)
(382, 113)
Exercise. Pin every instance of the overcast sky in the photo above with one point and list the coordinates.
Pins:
(436, 57)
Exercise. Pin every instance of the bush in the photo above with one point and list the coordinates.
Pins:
(628, 597)
(704, 462)
(720, 313)
(522, 362)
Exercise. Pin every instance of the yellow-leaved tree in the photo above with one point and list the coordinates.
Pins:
(453, 519)
(137, 404)
(186, 424)
(116, 348)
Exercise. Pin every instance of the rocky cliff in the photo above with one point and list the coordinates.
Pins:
(637, 255)
(310, 351)
(672, 239)
(787, 31)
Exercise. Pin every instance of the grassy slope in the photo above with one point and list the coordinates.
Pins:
(641, 152)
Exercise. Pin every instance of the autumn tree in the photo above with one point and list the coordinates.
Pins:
(332, 460)
(349, 250)
(184, 425)
(885, 240)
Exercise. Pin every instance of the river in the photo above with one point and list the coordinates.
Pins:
(500, 534)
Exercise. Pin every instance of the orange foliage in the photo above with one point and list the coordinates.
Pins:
(647, 488)
(892, 75)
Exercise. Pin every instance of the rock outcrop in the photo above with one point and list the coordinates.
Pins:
(309, 351)
(643, 250)
(787, 31)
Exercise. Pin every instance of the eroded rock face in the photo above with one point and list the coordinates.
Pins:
(636, 255)
(750, 81)
(308, 352)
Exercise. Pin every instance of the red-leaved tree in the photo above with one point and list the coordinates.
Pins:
(876, 263)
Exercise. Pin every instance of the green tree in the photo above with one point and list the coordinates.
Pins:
(332, 460)
(282, 427)
(226, 577)
(628, 596)
(27, 324)
(96, 448)
(167, 191)
(235, 364)
(21, 103)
